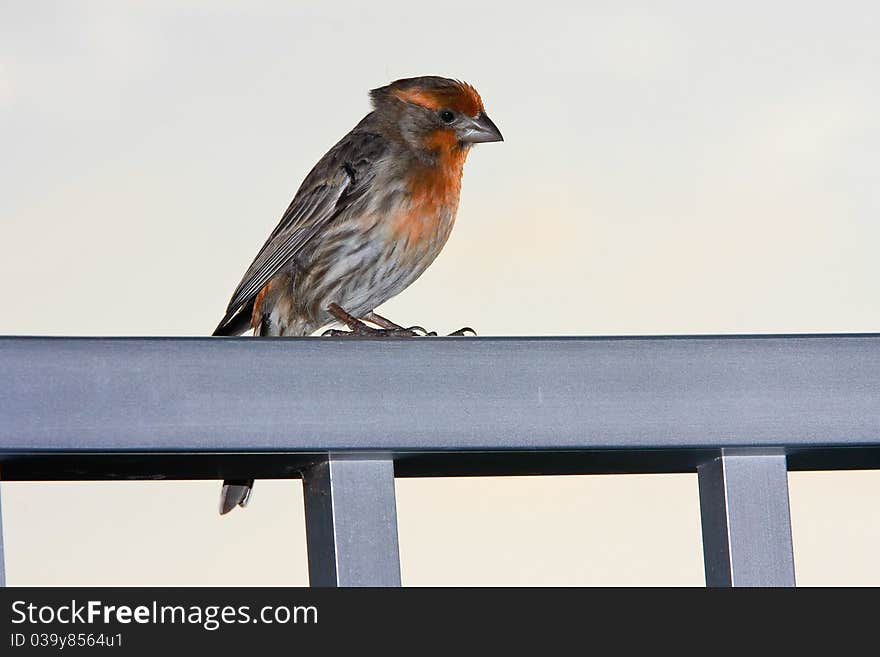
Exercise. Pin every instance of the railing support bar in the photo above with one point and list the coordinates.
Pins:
(351, 522)
(746, 519)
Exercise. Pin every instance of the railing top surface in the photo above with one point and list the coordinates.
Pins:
(638, 399)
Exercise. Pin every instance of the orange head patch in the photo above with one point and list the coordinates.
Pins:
(437, 93)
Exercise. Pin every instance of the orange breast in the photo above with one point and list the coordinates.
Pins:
(433, 194)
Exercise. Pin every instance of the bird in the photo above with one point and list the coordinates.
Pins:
(365, 223)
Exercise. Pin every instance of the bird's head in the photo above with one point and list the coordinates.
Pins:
(431, 113)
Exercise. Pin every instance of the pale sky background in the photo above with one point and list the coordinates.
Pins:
(676, 167)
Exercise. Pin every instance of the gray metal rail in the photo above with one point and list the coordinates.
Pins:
(349, 415)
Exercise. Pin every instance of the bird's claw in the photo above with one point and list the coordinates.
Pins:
(364, 331)
(335, 333)
(389, 329)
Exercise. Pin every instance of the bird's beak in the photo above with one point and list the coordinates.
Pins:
(481, 129)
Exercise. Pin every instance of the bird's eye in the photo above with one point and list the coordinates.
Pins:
(447, 116)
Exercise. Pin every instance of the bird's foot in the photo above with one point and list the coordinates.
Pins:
(386, 323)
(388, 329)
(365, 331)
(358, 329)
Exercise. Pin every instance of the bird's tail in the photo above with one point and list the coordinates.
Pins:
(235, 492)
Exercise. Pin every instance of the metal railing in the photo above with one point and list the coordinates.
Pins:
(349, 415)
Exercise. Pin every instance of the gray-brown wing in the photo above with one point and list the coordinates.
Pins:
(339, 179)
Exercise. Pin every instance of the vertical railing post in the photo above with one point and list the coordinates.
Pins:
(351, 522)
(746, 519)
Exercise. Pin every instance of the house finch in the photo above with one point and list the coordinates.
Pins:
(365, 223)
